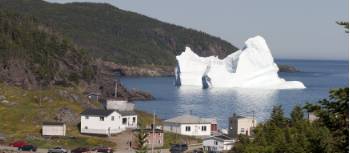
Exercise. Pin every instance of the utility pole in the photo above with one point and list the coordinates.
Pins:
(154, 123)
(253, 118)
(116, 89)
(40, 92)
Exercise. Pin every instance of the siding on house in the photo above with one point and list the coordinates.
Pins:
(188, 125)
(241, 125)
(218, 143)
(101, 124)
(106, 122)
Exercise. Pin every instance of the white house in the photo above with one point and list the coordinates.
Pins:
(129, 119)
(241, 125)
(188, 125)
(106, 122)
(218, 143)
(53, 129)
(121, 105)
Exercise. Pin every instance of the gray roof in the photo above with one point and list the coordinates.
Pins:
(126, 113)
(149, 130)
(106, 112)
(189, 119)
(97, 112)
(222, 137)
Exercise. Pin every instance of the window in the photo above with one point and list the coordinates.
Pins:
(159, 141)
(86, 127)
(216, 142)
(188, 128)
(112, 118)
(86, 117)
(134, 119)
(124, 121)
(102, 118)
(242, 130)
(204, 128)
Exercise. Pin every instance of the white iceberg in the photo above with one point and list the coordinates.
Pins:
(251, 67)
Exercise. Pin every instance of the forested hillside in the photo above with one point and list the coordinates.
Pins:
(120, 36)
(33, 55)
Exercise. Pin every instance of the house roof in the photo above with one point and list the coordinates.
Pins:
(188, 119)
(97, 112)
(222, 137)
(53, 123)
(149, 130)
(126, 113)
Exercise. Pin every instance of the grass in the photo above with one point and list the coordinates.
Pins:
(173, 138)
(22, 117)
(146, 119)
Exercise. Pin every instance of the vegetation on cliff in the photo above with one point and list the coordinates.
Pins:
(120, 36)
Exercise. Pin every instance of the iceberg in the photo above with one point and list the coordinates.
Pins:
(251, 67)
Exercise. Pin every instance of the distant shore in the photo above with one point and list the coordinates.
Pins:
(168, 71)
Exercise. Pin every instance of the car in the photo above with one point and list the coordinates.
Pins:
(27, 147)
(197, 151)
(103, 149)
(80, 150)
(57, 150)
(18, 143)
(178, 148)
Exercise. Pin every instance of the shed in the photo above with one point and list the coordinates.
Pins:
(54, 129)
(219, 143)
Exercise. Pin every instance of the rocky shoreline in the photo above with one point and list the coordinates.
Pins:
(167, 71)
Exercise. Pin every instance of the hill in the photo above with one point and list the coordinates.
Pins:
(120, 36)
(33, 55)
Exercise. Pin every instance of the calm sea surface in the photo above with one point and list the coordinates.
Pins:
(318, 76)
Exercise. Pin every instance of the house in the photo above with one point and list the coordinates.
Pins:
(213, 124)
(218, 143)
(157, 138)
(189, 125)
(129, 119)
(119, 104)
(53, 129)
(241, 125)
(106, 122)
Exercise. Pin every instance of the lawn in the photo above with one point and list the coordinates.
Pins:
(22, 116)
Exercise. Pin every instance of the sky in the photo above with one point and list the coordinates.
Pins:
(296, 29)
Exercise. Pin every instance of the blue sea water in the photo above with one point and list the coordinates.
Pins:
(318, 76)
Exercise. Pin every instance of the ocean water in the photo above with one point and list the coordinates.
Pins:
(318, 76)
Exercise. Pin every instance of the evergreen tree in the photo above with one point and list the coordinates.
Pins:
(277, 117)
(297, 115)
(334, 114)
(141, 142)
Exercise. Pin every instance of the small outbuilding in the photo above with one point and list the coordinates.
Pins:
(219, 143)
(54, 129)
